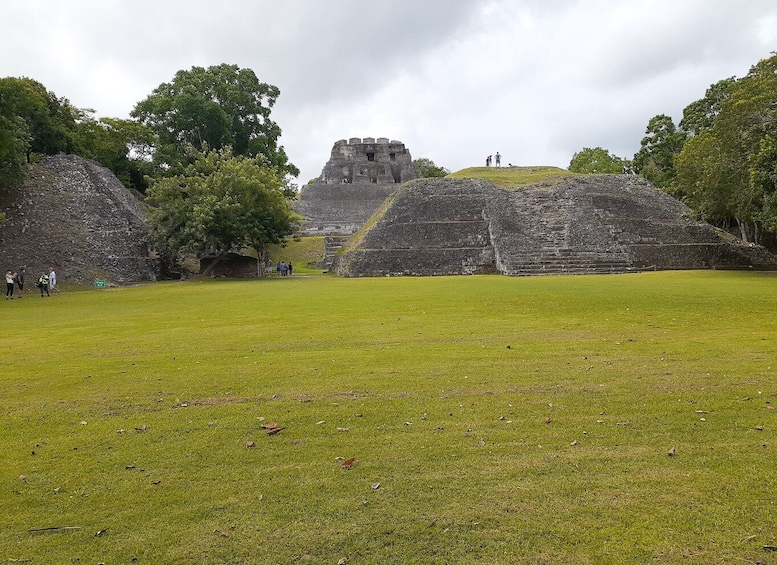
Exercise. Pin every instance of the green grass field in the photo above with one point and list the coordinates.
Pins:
(515, 177)
(492, 420)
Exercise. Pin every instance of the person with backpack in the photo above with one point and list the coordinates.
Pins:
(43, 284)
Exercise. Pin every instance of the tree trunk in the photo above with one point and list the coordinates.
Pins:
(260, 262)
(742, 229)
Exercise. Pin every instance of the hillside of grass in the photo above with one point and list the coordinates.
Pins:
(515, 177)
(435, 420)
(304, 253)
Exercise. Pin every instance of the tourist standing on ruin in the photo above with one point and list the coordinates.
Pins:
(53, 280)
(498, 159)
(20, 280)
(10, 280)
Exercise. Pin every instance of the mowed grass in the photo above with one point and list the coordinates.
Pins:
(515, 177)
(492, 420)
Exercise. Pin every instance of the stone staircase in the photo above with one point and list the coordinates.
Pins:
(332, 245)
(534, 239)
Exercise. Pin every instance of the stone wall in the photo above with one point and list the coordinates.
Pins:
(357, 179)
(75, 215)
(598, 224)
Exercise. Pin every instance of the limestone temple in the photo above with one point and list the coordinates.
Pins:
(357, 179)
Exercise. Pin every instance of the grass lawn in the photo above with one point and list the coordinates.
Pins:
(491, 420)
(515, 177)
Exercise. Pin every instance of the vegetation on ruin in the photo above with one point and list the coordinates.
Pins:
(591, 419)
(514, 177)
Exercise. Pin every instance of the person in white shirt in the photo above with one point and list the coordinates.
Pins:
(52, 280)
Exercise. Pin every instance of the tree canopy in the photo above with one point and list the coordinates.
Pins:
(655, 158)
(214, 108)
(221, 202)
(427, 168)
(728, 170)
(32, 120)
(596, 160)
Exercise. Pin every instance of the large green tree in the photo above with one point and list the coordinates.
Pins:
(212, 108)
(597, 160)
(655, 158)
(32, 120)
(222, 202)
(727, 171)
(50, 122)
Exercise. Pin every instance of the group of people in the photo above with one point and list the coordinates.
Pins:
(497, 160)
(47, 282)
(284, 269)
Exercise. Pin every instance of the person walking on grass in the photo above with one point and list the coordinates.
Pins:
(43, 284)
(20, 280)
(10, 280)
(53, 280)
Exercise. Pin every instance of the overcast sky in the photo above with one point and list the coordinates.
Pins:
(455, 80)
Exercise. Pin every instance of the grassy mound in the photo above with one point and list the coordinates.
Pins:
(515, 177)
(304, 253)
(490, 420)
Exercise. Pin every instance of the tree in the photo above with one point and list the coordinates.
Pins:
(14, 144)
(222, 202)
(50, 122)
(427, 168)
(700, 115)
(123, 146)
(655, 158)
(213, 108)
(729, 171)
(596, 160)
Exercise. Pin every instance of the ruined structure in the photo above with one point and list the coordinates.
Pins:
(597, 224)
(357, 179)
(75, 215)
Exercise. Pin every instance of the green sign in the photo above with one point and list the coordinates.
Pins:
(99, 284)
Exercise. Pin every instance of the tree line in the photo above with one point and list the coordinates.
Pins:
(202, 148)
(721, 159)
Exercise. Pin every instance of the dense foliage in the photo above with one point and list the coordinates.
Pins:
(728, 167)
(221, 106)
(597, 160)
(221, 202)
(32, 120)
(428, 169)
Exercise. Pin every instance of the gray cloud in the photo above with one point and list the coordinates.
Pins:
(536, 80)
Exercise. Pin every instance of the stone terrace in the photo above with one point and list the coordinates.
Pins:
(602, 224)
